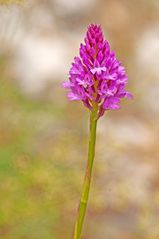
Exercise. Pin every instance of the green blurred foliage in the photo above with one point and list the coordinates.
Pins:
(35, 180)
(11, 1)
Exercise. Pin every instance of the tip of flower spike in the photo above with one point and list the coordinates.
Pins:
(94, 28)
(94, 25)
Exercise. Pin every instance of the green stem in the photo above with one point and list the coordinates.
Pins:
(88, 174)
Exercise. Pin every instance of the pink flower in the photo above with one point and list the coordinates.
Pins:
(96, 75)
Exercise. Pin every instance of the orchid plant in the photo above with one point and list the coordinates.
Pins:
(97, 79)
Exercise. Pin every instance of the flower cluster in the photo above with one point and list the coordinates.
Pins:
(97, 77)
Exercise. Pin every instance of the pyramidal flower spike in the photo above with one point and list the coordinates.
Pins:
(96, 76)
(99, 80)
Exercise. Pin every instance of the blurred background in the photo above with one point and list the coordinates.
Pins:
(43, 137)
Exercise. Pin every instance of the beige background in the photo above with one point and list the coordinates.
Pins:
(43, 137)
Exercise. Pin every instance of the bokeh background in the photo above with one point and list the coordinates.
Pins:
(43, 137)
